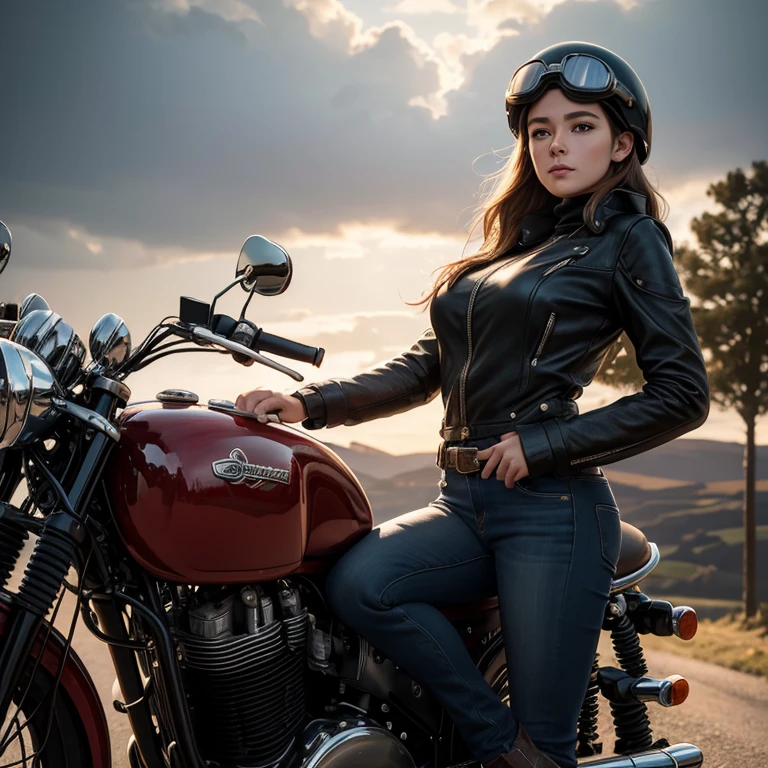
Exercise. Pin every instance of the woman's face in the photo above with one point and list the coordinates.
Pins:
(576, 134)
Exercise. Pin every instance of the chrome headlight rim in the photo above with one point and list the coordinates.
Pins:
(54, 340)
(27, 388)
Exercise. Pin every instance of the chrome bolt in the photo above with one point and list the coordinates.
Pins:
(385, 708)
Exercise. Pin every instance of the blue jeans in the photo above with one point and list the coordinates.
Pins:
(547, 547)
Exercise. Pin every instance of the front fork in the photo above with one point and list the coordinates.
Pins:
(61, 539)
(53, 554)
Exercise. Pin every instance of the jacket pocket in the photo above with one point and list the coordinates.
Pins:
(544, 338)
(609, 528)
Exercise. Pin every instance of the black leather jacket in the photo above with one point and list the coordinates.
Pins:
(514, 342)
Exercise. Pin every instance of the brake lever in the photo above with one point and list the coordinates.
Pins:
(202, 335)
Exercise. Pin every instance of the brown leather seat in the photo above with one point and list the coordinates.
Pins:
(635, 553)
(635, 550)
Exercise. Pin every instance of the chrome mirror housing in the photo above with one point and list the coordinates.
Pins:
(5, 246)
(110, 341)
(264, 263)
(54, 340)
(31, 303)
(27, 388)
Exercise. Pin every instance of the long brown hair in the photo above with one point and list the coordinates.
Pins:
(517, 192)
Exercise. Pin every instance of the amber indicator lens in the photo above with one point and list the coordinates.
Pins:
(680, 690)
(684, 622)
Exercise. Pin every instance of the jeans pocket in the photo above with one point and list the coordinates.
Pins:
(545, 488)
(609, 524)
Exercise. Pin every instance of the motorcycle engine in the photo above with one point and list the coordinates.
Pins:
(244, 659)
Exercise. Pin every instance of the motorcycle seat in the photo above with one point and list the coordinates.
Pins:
(635, 550)
(634, 554)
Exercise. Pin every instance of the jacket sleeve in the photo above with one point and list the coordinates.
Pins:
(648, 302)
(408, 380)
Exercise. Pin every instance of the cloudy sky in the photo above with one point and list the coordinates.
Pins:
(142, 141)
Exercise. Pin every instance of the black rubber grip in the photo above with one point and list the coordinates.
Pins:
(276, 345)
(268, 342)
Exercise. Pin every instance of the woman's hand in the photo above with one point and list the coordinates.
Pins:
(508, 455)
(290, 409)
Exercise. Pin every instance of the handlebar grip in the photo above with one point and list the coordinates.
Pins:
(277, 345)
(247, 333)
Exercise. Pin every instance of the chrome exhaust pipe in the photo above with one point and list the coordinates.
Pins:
(681, 755)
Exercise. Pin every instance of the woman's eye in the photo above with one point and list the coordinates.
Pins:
(534, 134)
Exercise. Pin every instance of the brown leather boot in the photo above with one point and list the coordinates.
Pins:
(523, 754)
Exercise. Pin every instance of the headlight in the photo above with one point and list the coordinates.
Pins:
(110, 341)
(27, 386)
(44, 332)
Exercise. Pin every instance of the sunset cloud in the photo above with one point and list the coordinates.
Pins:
(424, 7)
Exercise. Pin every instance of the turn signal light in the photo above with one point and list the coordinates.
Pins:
(684, 622)
(669, 692)
(678, 693)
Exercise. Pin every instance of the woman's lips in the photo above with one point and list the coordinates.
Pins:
(561, 171)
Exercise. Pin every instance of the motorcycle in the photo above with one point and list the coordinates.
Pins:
(200, 538)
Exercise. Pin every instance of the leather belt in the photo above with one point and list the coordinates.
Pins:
(464, 460)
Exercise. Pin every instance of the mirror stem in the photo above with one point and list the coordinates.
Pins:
(219, 295)
(250, 296)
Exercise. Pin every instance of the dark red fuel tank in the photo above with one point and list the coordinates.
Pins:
(205, 497)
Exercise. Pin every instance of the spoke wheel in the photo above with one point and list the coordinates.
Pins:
(66, 745)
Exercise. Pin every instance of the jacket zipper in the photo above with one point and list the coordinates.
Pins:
(465, 370)
(559, 264)
(547, 333)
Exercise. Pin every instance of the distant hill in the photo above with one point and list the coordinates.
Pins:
(686, 496)
(379, 464)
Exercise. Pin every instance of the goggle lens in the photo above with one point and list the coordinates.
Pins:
(526, 78)
(586, 72)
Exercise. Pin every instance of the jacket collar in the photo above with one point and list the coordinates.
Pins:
(568, 215)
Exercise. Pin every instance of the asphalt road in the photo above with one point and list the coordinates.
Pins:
(726, 713)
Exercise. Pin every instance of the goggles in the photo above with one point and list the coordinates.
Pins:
(582, 77)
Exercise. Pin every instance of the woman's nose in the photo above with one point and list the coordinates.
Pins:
(557, 146)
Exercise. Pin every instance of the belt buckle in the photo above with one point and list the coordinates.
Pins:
(465, 459)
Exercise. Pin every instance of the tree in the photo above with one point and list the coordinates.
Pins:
(727, 274)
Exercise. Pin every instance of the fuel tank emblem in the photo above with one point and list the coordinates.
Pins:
(236, 469)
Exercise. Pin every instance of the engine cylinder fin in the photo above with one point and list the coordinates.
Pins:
(248, 690)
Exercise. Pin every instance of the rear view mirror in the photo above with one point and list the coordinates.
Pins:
(5, 246)
(265, 264)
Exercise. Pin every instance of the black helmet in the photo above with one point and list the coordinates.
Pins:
(618, 88)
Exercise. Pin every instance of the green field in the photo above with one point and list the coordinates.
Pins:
(736, 535)
(675, 569)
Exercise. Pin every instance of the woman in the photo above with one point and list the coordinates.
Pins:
(570, 259)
